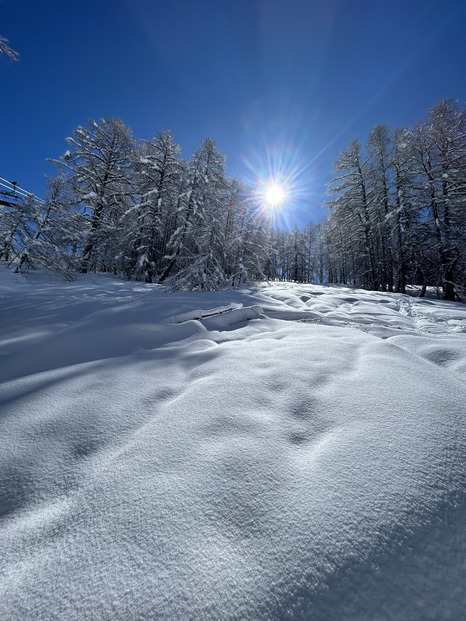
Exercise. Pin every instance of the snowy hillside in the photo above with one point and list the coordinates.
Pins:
(284, 452)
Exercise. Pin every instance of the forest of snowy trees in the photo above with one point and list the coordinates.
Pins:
(136, 209)
(139, 211)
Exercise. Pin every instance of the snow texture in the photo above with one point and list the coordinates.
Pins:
(298, 453)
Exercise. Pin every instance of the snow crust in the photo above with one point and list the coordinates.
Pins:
(281, 452)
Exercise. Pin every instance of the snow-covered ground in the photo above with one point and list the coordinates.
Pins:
(300, 455)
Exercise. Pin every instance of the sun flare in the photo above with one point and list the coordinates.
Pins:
(274, 195)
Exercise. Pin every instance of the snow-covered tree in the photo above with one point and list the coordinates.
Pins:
(157, 181)
(441, 158)
(350, 225)
(47, 230)
(246, 237)
(379, 148)
(100, 173)
(13, 215)
(405, 216)
(195, 246)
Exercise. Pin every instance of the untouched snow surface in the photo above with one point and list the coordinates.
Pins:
(298, 455)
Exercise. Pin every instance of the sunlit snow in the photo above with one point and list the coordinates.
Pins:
(280, 452)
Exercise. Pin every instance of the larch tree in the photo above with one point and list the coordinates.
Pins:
(379, 148)
(405, 217)
(50, 231)
(158, 172)
(441, 159)
(350, 211)
(195, 245)
(100, 173)
(13, 217)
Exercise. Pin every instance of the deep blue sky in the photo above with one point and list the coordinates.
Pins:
(279, 84)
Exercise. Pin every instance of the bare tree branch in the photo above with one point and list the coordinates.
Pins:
(6, 50)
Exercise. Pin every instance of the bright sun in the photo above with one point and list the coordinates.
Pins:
(274, 195)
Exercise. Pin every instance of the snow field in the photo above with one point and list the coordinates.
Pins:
(299, 455)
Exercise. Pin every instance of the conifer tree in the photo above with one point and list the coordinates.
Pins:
(100, 174)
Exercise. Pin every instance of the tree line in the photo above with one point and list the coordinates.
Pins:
(137, 209)
(397, 213)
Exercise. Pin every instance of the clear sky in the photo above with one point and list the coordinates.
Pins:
(281, 85)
